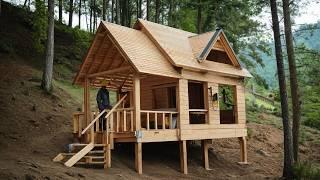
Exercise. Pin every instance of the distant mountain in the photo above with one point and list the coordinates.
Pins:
(308, 35)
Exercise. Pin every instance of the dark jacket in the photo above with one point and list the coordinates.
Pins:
(103, 100)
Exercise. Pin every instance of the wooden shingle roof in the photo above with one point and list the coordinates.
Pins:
(142, 53)
(182, 48)
(152, 48)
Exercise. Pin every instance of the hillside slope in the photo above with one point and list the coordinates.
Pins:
(35, 127)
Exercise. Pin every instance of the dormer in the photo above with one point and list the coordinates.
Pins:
(216, 48)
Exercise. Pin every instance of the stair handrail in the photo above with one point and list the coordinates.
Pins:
(109, 113)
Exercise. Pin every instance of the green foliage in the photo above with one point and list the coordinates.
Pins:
(39, 26)
(306, 171)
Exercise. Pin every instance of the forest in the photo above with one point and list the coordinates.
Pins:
(282, 57)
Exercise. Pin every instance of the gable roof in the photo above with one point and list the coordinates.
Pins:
(155, 49)
(181, 48)
(143, 54)
(135, 48)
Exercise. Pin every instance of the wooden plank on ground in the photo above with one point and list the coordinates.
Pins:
(75, 158)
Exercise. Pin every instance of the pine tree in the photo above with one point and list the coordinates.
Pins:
(70, 12)
(288, 154)
(48, 69)
(295, 95)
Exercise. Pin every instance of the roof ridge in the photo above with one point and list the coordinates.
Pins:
(166, 26)
(201, 34)
(106, 23)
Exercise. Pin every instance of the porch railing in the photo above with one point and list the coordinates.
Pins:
(158, 119)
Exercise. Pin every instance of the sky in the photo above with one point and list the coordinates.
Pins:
(309, 13)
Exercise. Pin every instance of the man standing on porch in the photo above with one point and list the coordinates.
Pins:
(103, 102)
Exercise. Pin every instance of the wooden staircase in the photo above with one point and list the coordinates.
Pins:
(84, 154)
(92, 153)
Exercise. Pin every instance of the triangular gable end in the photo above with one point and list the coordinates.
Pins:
(219, 50)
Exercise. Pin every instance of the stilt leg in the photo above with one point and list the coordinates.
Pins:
(205, 155)
(109, 156)
(183, 157)
(138, 157)
(243, 150)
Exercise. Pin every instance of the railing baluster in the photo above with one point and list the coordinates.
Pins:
(111, 122)
(170, 121)
(163, 121)
(131, 119)
(155, 120)
(124, 120)
(118, 121)
(148, 121)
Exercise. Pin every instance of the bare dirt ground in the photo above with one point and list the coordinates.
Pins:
(35, 127)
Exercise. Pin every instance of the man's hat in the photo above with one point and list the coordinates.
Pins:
(104, 82)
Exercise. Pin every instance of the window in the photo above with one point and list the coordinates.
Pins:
(219, 56)
(227, 104)
(197, 111)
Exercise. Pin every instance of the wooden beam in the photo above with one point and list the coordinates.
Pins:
(80, 72)
(96, 53)
(205, 154)
(183, 157)
(126, 68)
(138, 157)
(136, 99)
(107, 63)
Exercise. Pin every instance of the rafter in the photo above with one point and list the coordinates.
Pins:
(97, 52)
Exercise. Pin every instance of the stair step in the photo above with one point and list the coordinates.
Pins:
(91, 152)
(95, 145)
(90, 163)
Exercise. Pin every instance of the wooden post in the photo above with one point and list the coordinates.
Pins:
(108, 153)
(205, 155)
(136, 99)
(243, 150)
(138, 157)
(183, 104)
(87, 111)
(183, 157)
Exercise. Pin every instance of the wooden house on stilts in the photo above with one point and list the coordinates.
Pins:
(172, 85)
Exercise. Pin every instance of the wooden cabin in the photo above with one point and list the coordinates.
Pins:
(172, 85)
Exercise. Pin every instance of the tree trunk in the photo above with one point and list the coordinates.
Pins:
(112, 11)
(170, 13)
(90, 16)
(79, 14)
(199, 18)
(129, 14)
(85, 10)
(94, 16)
(156, 18)
(104, 10)
(295, 94)
(60, 11)
(288, 154)
(70, 13)
(117, 12)
(148, 10)
(47, 72)
(139, 9)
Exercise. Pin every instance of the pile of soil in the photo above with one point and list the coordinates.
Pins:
(35, 127)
